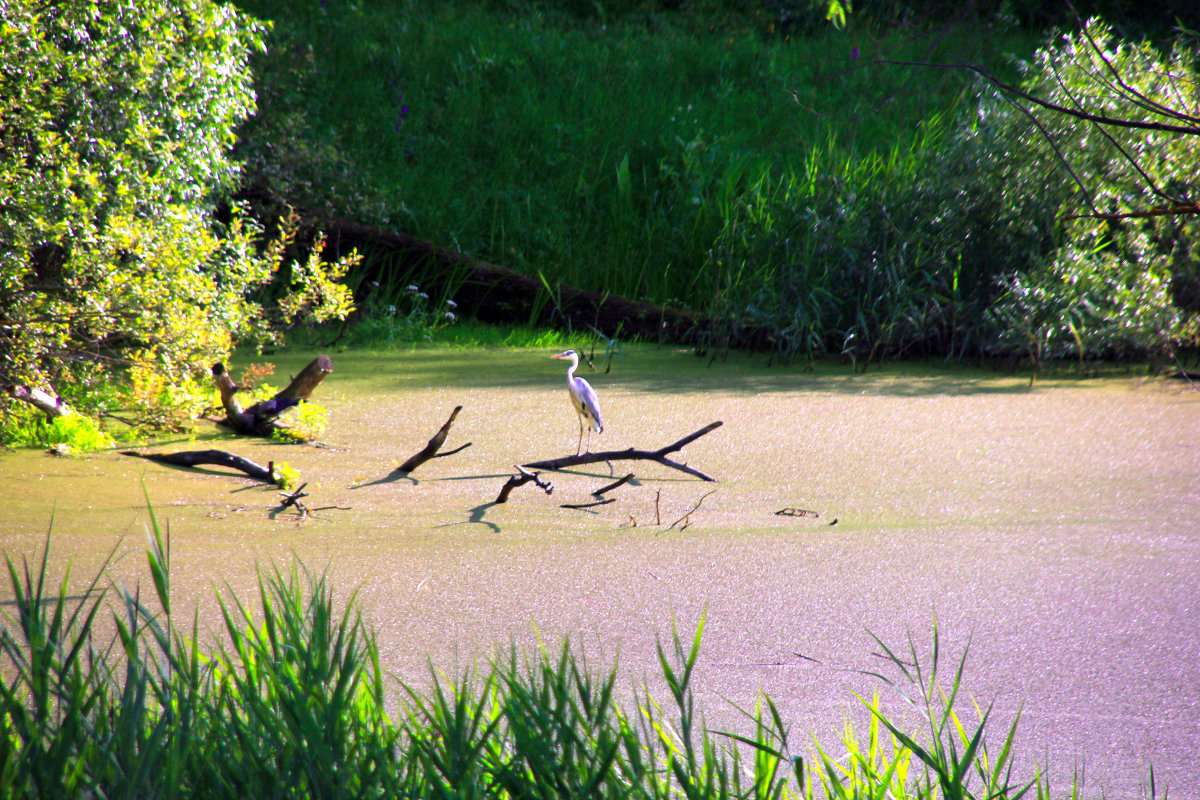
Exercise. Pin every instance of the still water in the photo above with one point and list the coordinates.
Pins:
(1056, 528)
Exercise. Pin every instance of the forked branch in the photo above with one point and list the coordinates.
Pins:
(632, 454)
(435, 444)
(259, 419)
(523, 477)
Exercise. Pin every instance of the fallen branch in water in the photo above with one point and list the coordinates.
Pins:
(579, 506)
(220, 458)
(435, 444)
(611, 486)
(294, 498)
(631, 454)
(523, 477)
(796, 512)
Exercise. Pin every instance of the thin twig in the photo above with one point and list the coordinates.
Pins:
(688, 514)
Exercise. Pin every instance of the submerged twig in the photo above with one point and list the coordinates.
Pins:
(592, 504)
(796, 512)
(612, 486)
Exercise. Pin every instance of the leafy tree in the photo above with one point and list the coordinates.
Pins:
(1111, 137)
(118, 262)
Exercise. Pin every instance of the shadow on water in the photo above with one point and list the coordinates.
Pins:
(392, 477)
(476, 515)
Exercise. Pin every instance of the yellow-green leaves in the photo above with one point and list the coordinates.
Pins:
(118, 117)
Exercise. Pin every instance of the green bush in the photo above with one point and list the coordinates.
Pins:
(980, 241)
(1127, 238)
(69, 432)
(118, 261)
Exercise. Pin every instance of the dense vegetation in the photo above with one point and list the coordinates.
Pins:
(290, 702)
(124, 271)
(748, 160)
(751, 161)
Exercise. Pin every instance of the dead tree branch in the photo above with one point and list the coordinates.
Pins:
(259, 419)
(435, 444)
(632, 454)
(292, 499)
(580, 506)
(523, 477)
(221, 458)
(611, 486)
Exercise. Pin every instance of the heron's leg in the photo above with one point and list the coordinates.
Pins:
(579, 443)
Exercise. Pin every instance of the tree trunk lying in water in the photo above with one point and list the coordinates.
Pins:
(220, 458)
(259, 419)
(497, 294)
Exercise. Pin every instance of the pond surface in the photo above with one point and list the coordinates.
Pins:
(1054, 528)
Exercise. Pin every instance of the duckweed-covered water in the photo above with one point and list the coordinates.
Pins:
(1055, 527)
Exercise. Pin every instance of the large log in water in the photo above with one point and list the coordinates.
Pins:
(493, 293)
(221, 458)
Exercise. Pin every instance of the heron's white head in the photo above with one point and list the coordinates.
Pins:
(568, 355)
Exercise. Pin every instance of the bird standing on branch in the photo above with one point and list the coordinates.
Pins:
(583, 397)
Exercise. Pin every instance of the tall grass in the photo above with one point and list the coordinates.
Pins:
(616, 153)
(290, 703)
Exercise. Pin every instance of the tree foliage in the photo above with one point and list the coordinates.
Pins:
(1058, 219)
(1112, 140)
(117, 257)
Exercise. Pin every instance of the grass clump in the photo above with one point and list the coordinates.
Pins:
(68, 433)
(291, 703)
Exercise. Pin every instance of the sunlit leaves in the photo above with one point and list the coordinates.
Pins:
(1107, 290)
(118, 119)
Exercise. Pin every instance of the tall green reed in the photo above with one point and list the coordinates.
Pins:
(619, 154)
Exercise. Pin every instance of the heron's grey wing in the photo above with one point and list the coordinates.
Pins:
(590, 405)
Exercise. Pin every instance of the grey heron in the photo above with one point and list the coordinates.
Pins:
(583, 397)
